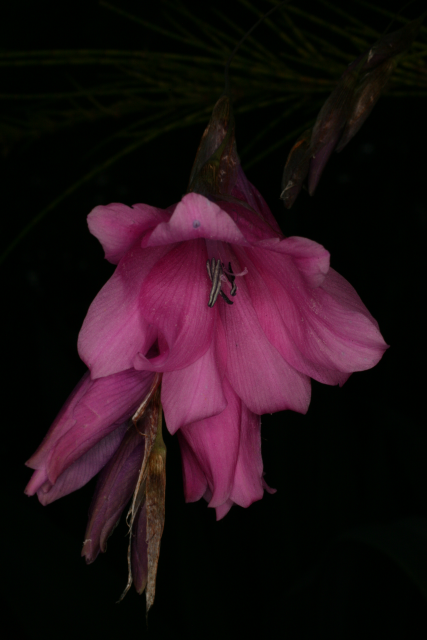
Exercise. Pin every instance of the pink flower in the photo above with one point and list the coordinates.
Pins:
(292, 318)
(232, 318)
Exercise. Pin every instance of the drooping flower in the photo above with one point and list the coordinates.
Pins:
(234, 318)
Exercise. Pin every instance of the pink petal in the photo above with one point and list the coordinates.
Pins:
(355, 328)
(214, 445)
(251, 224)
(222, 457)
(245, 190)
(63, 422)
(266, 292)
(223, 509)
(107, 403)
(195, 217)
(110, 401)
(174, 298)
(114, 329)
(258, 373)
(194, 479)
(118, 227)
(114, 489)
(83, 469)
(310, 258)
(329, 325)
(195, 393)
(37, 480)
(248, 484)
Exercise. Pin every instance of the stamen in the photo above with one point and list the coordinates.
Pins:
(224, 297)
(231, 278)
(216, 274)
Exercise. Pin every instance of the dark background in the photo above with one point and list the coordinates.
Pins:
(340, 551)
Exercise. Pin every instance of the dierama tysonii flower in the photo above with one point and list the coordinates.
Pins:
(344, 112)
(232, 319)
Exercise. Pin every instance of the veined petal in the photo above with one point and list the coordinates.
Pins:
(108, 402)
(257, 372)
(118, 226)
(267, 299)
(63, 422)
(83, 469)
(174, 299)
(38, 479)
(245, 190)
(196, 392)
(310, 258)
(195, 217)
(194, 479)
(356, 331)
(214, 444)
(223, 509)
(248, 484)
(329, 325)
(222, 457)
(254, 226)
(114, 489)
(114, 329)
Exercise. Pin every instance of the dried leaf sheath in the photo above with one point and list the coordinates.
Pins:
(146, 514)
(155, 506)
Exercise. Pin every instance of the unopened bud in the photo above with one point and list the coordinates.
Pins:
(333, 115)
(216, 164)
(392, 44)
(365, 99)
(296, 169)
(318, 163)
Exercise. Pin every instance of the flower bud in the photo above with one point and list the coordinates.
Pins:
(296, 169)
(345, 110)
(334, 113)
(393, 44)
(365, 98)
(216, 164)
(318, 163)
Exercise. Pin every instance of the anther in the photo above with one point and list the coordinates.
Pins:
(215, 272)
(224, 297)
(231, 278)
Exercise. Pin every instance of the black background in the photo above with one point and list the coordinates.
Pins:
(310, 560)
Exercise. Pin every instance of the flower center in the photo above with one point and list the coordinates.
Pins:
(216, 273)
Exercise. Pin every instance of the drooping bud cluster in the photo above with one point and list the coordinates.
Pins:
(344, 111)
